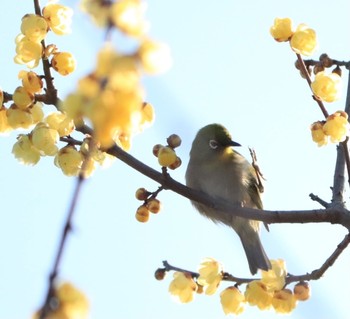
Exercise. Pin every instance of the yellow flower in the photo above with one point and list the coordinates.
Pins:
(283, 301)
(282, 30)
(18, 118)
(274, 279)
(257, 294)
(31, 81)
(317, 133)
(210, 274)
(71, 303)
(60, 122)
(34, 27)
(28, 52)
(99, 11)
(327, 86)
(24, 151)
(337, 126)
(232, 300)
(63, 62)
(304, 40)
(155, 56)
(45, 139)
(69, 160)
(59, 18)
(183, 287)
(128, 16)
(4, 125)
(22, 98)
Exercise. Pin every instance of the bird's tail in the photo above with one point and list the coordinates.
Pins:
(256, 255)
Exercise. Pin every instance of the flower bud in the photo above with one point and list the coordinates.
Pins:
(174, 140)
(302, 291)
(160, 273)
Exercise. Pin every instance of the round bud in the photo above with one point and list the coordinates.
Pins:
(166, 156)
(174, 140)
(153, 205)
(318, 68)
(337, 70)
(302, 291)
(141, 194)
(142, 214)
(200, 289)
(326, 60)
(160, 273)
(297, 65)
(156, 149)
(176, 164)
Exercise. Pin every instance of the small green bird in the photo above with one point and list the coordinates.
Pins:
(216, 169)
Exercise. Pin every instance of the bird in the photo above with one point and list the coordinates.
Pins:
(216, 169)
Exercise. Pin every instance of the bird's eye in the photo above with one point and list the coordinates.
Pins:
(213, 144)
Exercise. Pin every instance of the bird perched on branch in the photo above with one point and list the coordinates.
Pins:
(218, 170)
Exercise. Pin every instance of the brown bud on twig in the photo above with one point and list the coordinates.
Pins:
(337, 70)
(318, 68)
(326, 60)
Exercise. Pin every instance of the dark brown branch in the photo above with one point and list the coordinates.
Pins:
(314, 275)
(318, 273)
(46, 309)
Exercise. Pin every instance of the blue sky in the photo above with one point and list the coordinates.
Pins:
(227, 69)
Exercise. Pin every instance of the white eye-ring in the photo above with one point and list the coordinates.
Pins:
(213, 144)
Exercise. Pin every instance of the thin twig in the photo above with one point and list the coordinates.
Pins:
(306, 74)
(319, 200)
(67, 228)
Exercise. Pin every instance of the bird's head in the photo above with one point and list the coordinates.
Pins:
(211, 141)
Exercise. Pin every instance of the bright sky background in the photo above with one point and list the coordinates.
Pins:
(227, 69)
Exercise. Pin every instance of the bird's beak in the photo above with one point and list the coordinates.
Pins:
(232, 143)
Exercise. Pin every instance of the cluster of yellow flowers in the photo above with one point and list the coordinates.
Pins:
(111, 96)
(326, 86)
(302, 40)
(335, 129)
(34, 28)
(266, 293)
(71, 303)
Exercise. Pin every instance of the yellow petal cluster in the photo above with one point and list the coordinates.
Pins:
(58, 17)
(71, 303)
(327, 87)
(232, 301)
(45, 139)
(28, 52)
(257, 294)
(335, 129)
(69, 160)
(31, 81)
(128, 16)
(317, 133)
(275, 278)
(284, 301)
(63, 62)
(337, 126)
(304, 40)
(154, 56)
(282, 30)
(210, 275)
(34, 27)
(183, 287)
(60, 122)
(24, 151)
(4, 125)
(112, 99)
